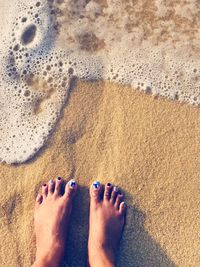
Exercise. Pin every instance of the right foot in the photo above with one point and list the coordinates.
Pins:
(107, 217)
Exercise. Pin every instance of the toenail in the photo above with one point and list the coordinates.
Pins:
(96, 184)
(44, 184)
(59, 178)
(72, 183)
(108, 184)
(116, 189)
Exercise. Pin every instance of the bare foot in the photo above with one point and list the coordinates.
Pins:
(52, 212)
(107, 216)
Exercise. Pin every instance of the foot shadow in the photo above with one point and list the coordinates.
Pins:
(137, 248)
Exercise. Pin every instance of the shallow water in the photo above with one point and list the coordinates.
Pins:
(152, 45)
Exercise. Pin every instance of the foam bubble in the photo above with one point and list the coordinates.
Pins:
(29, 34)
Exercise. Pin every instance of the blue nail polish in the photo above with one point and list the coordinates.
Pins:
(96, 184)
(72, 183)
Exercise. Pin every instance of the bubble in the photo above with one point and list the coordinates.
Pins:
(148, 90)
(29, 34)
(16, 47)
(24, 19)
(70, 70)
(27, 93)
(38, 4)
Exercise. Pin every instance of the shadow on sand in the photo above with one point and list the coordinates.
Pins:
(138, 248)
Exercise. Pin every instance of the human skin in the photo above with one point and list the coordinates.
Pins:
(51, 218)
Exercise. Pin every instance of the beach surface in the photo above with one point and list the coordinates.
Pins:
(147, 146)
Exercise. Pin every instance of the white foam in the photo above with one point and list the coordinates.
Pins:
(34, 83)
(152, 47)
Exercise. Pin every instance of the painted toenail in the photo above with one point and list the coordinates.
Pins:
(96, 184)
(59, 178)
(108, 184)
(44, 185)
(72, 183)
(116, 189)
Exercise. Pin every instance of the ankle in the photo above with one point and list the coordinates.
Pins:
(44, 262)
(51, 258)
(101, 258)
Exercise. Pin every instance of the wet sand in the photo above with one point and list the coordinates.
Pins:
(149, 147)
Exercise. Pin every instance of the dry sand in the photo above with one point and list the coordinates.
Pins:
(149, 147)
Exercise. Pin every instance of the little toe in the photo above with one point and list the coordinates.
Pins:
(51, 186)
(108, 190)
(70, 190)
(44, 191)
(38, 200)
(58, 186)
(95, 192)
(122, 208)
(114, 194)
(118, 200)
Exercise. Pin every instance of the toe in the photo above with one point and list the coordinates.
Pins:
(58, 186)
(51, 186)
(70, 189)
(44, 191)
(108, 190)
(38, 200)
(114, 194)
(122, 208)
(118, 200)
(95, 192)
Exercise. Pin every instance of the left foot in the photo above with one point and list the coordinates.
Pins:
(52, 212)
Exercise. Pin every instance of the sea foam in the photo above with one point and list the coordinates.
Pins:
(151, 46)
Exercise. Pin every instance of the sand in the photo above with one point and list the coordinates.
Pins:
(147, 146)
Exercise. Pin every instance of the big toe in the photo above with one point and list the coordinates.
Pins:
(70, 190)
(95, 192)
